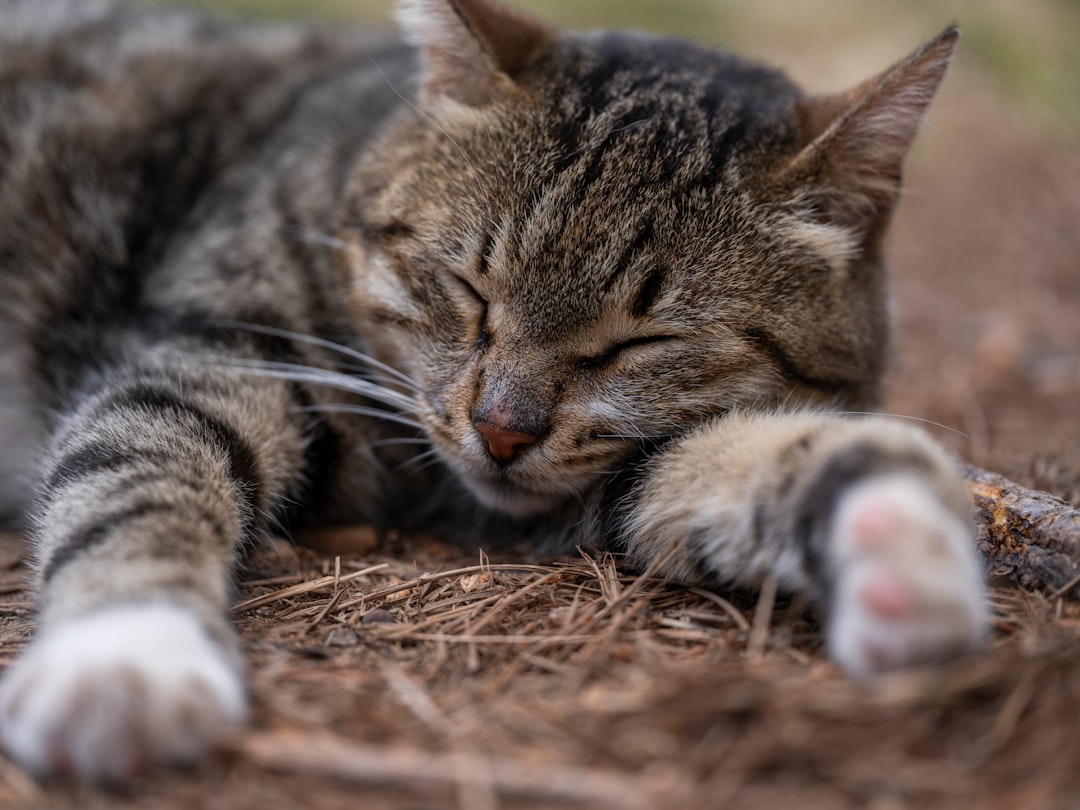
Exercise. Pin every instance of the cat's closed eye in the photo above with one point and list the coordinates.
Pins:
(621, 349)
(479, 307)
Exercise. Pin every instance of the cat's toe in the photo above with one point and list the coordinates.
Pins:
(907, 581)
(106, 695)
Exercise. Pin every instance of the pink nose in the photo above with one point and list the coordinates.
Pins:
(503, 444)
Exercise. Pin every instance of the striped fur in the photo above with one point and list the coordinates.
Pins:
(600, 288)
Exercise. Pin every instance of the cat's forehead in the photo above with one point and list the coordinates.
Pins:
(621, 180)
(614, 263)
(643, 156)
(594, 72)
(657, 111)
(634, 201)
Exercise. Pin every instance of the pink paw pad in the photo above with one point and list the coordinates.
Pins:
(887, 597)
(908, 586)
(871, 527)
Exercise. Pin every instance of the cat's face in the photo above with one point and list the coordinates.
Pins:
(600, 254)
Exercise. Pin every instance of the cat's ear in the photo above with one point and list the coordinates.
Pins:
(849, 172)
(471, 49)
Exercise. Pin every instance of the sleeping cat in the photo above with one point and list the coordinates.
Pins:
(602, 288)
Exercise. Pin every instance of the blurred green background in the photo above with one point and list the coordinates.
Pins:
(1028, 47)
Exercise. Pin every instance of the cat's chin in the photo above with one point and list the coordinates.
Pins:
(511, 500)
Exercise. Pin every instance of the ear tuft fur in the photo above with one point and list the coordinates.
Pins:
(471, 48)
(849, 172)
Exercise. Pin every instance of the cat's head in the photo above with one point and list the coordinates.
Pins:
(575, 243)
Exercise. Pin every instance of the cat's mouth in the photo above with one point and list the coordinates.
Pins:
(510, 499)
(501, 493)
(538, 477)
(513, 491)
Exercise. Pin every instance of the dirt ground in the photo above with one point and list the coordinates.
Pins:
(401, 673)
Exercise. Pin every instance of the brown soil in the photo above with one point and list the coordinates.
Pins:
(568, 684)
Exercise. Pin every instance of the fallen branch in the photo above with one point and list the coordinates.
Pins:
(1028, 535)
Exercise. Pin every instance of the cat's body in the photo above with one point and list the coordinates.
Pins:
(613, 281)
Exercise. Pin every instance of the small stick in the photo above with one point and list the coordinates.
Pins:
(304, 588)
(424, 579)
(631, 590)
(537, 640)
(508, 599)
(330, 605)
(759, 631)
(324, 755)
(728, 608)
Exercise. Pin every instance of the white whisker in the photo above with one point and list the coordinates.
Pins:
(421, 461)
(316, 376)
(360, 410)
(365, 359)
(385, 442)
(635, 436)
(903, 416)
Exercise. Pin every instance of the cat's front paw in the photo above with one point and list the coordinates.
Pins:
(104, 696)
(907, 581)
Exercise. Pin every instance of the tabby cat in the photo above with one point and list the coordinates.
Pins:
(602, 288)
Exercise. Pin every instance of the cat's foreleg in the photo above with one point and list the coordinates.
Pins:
(151, 486)
(867, 516)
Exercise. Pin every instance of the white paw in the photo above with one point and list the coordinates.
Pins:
(104, 696)
(908, 584)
